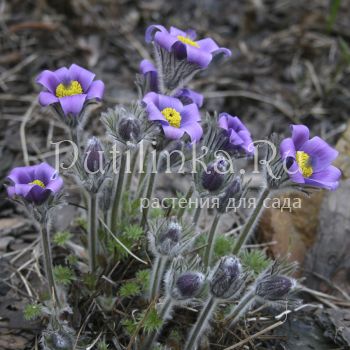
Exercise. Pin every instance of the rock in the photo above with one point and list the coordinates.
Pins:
(329, 257)
(4, 242)
(14, 226)
(13, 342)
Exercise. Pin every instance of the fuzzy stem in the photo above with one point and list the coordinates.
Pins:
(250, 224)
(45, 242)
(240, 308)
(157, 275)
(200, 324)
(181, 211)
(209, 249)
(92, 230)
(149, 192)
(196, 216)
(132, 170)
(164, 312)
(116, 208)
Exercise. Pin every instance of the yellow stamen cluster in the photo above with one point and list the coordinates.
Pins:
(74, 88)
(188, 41)
(37, 182)
(303, 160)
(172, 116)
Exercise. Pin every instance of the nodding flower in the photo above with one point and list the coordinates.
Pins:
(184, 44)
(34, 183)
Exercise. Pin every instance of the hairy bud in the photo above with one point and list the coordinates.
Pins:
(129, 128)
(214, 177)
(94, 157)
(58, 341)
(233, 191)
(227, 279)
(169, 237)
(188, 285)
(274, 287)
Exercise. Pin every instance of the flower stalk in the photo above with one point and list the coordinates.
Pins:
(240, 309)
(209, 249)
(201, 323)
(92, 230)
(250, 224)
(189, 194)
(157, 275)
(116, 208)
(46, 248)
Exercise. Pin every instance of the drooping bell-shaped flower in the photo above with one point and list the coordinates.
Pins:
(34, 183)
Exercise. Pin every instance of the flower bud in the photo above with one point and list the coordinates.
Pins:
(188, 285)
(94, 156)
(169, 238)
(58, 341)
(129, 128)
(274, 287)
(214, 177)
(233, 192)
(226, 280)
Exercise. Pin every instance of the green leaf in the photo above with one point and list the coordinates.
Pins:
(335, 5)
(152, 322)
(89, 280)
(32, 311)
(63, 275)
(102, 346)
(61, 238)
(133, 232)
(130, 325)
(223, 246)
(129, 289)
(143, 277)
(255, 260)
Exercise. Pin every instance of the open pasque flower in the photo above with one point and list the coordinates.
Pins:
(70, 87)
(34, 183)
(309, 160)
(187, 96)
(239, 137)
(185, 45)
(175, 118)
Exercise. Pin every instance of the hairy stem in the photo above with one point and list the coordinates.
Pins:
(250, 224)
(240, 309)
(132, 170)
(201, 324)
(92, 230)
(163, 314)
(45, 242)
(196, 216)
(116, 208)
(149, 192)
(181, 211)
(209, 249)
(157, 275)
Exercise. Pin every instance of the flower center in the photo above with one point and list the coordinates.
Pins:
(188, 41)
(303, 160)
(74, 88)
(37, 182)
(172, 116)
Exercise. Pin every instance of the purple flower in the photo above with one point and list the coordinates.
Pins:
(175, 118)
(184, 45)
(34, 183)
(309, 161)
(187, 96)
(238, 135)
(70, 87)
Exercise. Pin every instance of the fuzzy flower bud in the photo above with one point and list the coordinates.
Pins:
(169, 237)
(58, 341)
(226, 280)
(274, 287)
(129, 128)
(94, 156)
(233, 192)
(188, 285)
(214, 177)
